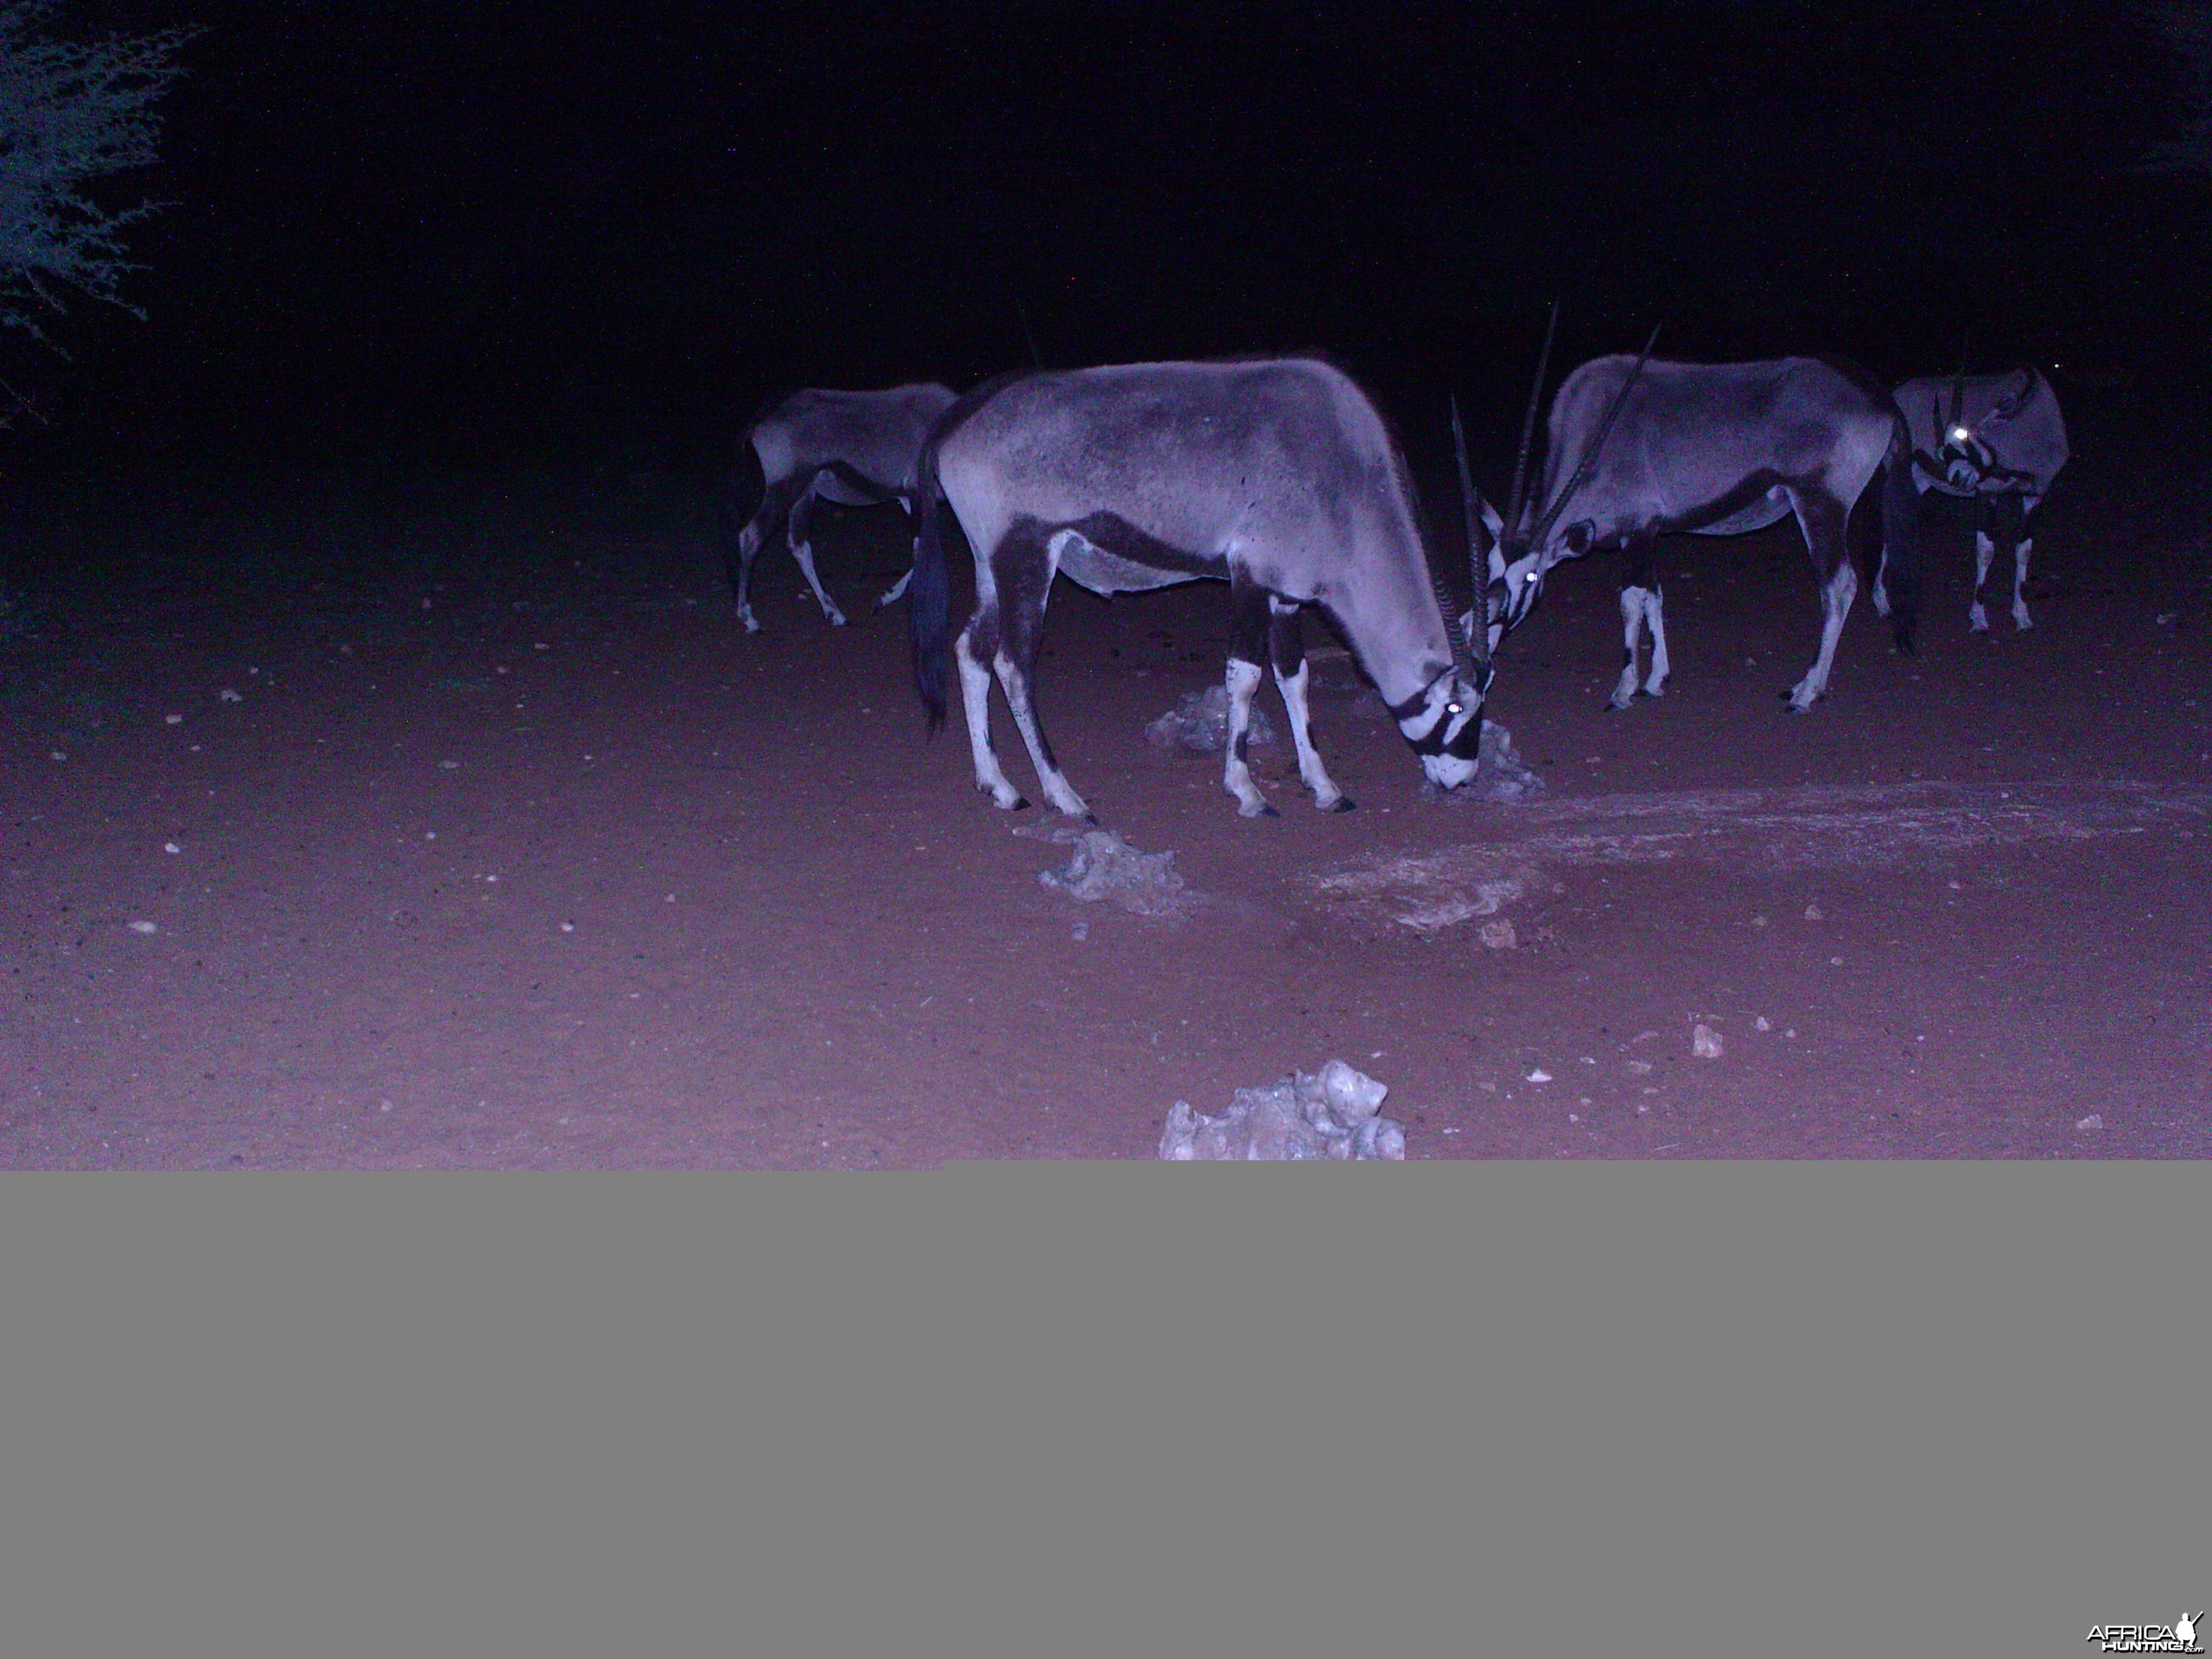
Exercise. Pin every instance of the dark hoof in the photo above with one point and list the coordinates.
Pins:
(1090, 818)
(1344, 804)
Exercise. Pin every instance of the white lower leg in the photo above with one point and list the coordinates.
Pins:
(975, 702)
(1327, 796)
(1836, 601)
(1655, 615)
(1632, 638)
(1879, 593)
(803, 552)
(1242, 681)
(1977, 617)
(892, 593)
(2021, 554)
(748, 549)
(1057, 789)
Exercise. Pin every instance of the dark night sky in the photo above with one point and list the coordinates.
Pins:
(456, 230)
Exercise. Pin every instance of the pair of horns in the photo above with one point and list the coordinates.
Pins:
(1517, 504)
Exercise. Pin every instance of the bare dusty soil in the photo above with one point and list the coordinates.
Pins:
(483, 836)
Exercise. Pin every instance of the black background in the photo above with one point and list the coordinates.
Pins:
(596, 236)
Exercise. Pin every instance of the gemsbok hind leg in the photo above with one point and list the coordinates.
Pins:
(800, 533)
(976, 640)
(768, 519)
(1822, 519)
(1024, 574)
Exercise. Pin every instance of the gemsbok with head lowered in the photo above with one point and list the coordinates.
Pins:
(1276, 476)
(1640, 448)
(855, 448)
(2000, 439)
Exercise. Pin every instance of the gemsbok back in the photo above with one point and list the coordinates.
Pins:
(2000, 439)
(855, 448)
(1640, 448)
(1277, 477)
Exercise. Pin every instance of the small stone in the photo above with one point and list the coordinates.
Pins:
(229, 696)
(1539, 1075)
(1641, 1067)
(1761, 1025)
(1705, 1042)
(2095, 1121)
(173, 719)
(1500, 936)
(144, 927)
(1813, 913)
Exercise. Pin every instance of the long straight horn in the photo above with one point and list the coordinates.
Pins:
(1590, 456)
(1518, 500)
(1479, 646)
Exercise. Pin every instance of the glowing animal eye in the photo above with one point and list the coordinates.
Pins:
(1960, 434)
(1451, 708)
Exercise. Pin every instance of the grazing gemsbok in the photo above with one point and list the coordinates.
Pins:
(855, 448)
(2000, 439)
(1276, 476)
(1641, 448)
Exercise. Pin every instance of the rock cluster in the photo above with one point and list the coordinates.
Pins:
(1334, 1115)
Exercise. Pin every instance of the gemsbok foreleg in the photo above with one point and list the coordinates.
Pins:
(1286, 646)
(1642, 604)
(1248, 647)
(2001, 517)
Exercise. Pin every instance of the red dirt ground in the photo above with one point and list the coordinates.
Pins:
(514, 851)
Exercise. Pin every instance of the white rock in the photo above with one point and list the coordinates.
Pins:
(1705, 1042)
(144, 927)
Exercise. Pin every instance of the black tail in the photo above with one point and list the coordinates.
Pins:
(1901, 538)
(928, 597)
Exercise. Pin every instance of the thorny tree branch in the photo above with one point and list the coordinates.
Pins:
(71, 115)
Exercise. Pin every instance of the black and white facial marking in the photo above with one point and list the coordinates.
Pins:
(1712, 449)
(1443, 721)
(1277, 477)
(855, 448)
(1997, 440)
